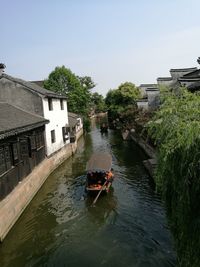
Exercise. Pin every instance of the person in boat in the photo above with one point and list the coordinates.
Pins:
(109, 176)
(104, 128)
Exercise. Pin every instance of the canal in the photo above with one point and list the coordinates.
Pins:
(128, 227)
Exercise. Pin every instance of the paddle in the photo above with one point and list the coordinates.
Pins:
(95, 200)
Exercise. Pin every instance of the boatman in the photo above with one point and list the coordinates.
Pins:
(109, 176)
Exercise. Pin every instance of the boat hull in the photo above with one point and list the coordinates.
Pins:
(97, 188)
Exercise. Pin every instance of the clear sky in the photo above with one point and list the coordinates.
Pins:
(112, 41)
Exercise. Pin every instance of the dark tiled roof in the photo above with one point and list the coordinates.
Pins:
(33, 87)
(74, 115)
(164, 79)
(194, 86)
(148, 85)
(192, 75)
(183, 70)
(73, 119)
(152, 89)
(39, 83)
(14, 120)
(192, 80)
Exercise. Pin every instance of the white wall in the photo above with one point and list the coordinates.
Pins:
(57, 119)
(153, 98)
(165, 82)
(143, 105)
(80, 126)
(143, 91)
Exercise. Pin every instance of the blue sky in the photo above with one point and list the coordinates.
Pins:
(112, 41)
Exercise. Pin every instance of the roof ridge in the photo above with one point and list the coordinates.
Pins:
(183, 69)
(38, 89)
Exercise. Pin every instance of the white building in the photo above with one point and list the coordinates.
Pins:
(56, 131)
(37, 100)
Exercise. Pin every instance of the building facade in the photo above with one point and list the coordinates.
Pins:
(39, 101)
(22, 145)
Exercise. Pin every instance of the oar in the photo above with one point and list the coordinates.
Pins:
(99, 193)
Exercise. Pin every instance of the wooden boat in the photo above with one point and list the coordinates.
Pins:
(104, 128)
(99, 175)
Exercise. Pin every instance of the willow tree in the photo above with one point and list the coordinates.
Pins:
(176, 131)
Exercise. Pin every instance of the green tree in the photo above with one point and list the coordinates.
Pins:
(176, 131)
(86, 82)
(76, 89)
(62, 80)
(122, 100)
(98, 103)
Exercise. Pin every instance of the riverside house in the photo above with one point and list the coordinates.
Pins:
(150, 97)
(34, 141)
(39, 101)
(22, 145)
(176, 77)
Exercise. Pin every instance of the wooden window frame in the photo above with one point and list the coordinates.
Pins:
(15, 153)
(61, 104)
(50, 104)
(53, 136)
(6, 153)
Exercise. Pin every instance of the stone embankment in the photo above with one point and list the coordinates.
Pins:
(150, 164)
(15, 203)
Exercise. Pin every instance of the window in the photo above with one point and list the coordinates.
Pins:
(15, 153)
(32, 142)
(24, 148)
(5, 158)
(2, 161)
(50, 103)
(61, 104)
(37, 139)
(8, 157)
(53, 136)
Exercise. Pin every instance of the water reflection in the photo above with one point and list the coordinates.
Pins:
(105, 209)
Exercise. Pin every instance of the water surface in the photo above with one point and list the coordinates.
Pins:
(128, 227)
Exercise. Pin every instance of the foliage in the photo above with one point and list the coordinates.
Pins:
(122, 99)
(62, 80)
(176, 131)
(86, 82)
(121, 104)
(76, 89)
(98, 103)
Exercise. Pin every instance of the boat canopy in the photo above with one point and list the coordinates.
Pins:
(99, 162)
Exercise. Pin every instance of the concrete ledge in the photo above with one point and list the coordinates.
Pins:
(79, 134)
(150, 165)
(15, 203)
(150, 151)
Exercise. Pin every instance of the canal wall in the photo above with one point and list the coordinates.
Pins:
(151, 163)
(15, 203)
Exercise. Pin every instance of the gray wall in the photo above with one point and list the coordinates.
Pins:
(153, 99)
(17, 95)
(177, 74)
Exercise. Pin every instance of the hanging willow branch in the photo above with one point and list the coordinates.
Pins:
(175, 129)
